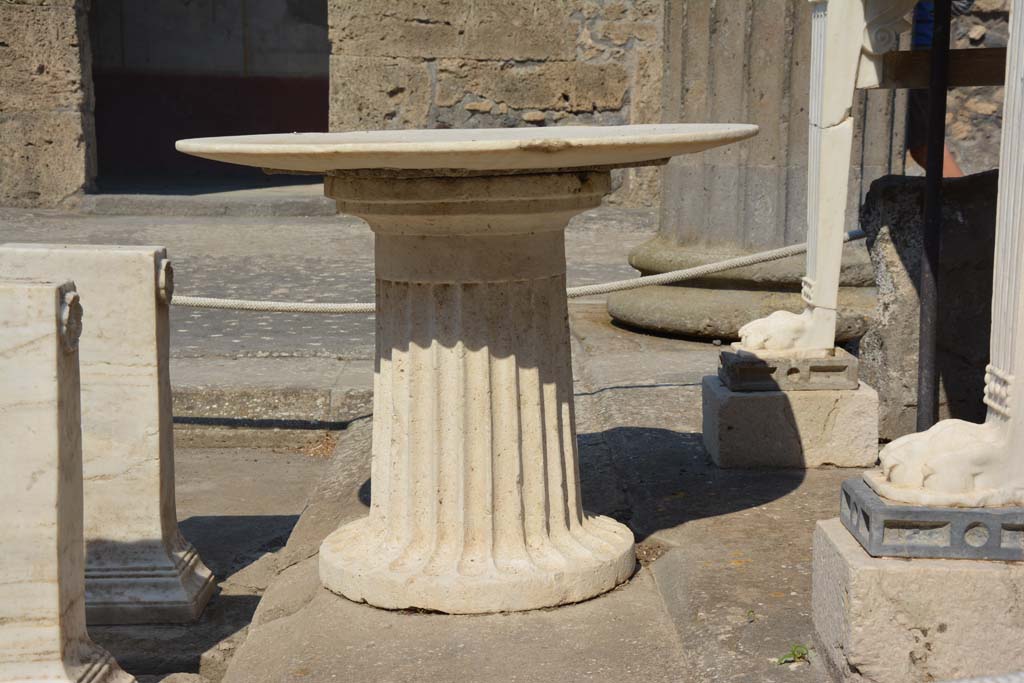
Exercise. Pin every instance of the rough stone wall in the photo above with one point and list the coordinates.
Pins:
(47, 153)
(893, 221)
(974, 116)
(481, 63)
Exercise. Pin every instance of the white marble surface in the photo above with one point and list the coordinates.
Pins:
(470, 149)
(139, 568)
(42, 597)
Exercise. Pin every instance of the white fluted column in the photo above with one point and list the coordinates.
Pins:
(475, 478)
(42, 592)
(962, 463)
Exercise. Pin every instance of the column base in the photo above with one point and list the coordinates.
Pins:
(90, 664)
(891, 620)
(101, 668)
(356, 564)
(713, 313)
(173, 592)
(789, 429)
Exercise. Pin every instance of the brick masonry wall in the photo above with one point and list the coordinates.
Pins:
(479, 63)
(47, 150)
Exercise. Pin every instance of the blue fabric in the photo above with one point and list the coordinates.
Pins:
(924, 25)
(924, 21)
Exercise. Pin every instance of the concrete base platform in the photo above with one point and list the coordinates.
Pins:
(888, 620)
(795, 429)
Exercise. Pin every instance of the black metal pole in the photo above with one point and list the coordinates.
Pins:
(927, 377)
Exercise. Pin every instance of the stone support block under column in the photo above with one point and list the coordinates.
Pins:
(894, 620)
(139, 568)
(789, 429)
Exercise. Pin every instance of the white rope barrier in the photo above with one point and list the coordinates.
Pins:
(669, 278)
(270, 306)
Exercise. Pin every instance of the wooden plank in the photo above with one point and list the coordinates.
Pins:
(980, 66)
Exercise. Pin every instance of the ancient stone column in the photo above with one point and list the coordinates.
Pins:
(475, 501)
(139, 568)
(749, 61)
(42, 593)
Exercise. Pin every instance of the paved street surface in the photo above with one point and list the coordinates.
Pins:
(315, 258)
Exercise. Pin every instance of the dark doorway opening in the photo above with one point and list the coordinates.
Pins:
(170, 69)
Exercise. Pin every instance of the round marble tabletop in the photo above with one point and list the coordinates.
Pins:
(478, 149)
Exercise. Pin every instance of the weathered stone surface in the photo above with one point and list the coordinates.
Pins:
(517, 29)
(42, 70)
(45, 157)
(882, 620)
(373, 92)
(47, 149)
(559, 86)
(475, 64)
(975, 115)
(893, 221)
(801, 429)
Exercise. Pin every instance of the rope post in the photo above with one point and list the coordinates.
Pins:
(927, 377)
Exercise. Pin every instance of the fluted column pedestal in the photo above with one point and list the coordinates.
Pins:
(475, 502)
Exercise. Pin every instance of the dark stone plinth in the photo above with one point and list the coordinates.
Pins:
(887, 529)
(746, 372)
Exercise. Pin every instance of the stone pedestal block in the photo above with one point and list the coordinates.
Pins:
(42, 595)
(799, 429)
(139, 568)
(890, 620)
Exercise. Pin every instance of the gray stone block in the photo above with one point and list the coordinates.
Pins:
(888, 620)
(893, 221)
(745, 372)
(793, 429)
(887, 529)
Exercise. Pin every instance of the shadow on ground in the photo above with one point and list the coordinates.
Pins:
(666, 479)
(238, 550)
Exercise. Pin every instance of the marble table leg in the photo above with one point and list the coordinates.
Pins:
(42, 592)
(958, 463)
(139, 568)
(475, 502)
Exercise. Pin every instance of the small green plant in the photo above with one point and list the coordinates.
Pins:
(751, 616)
(797, 653)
